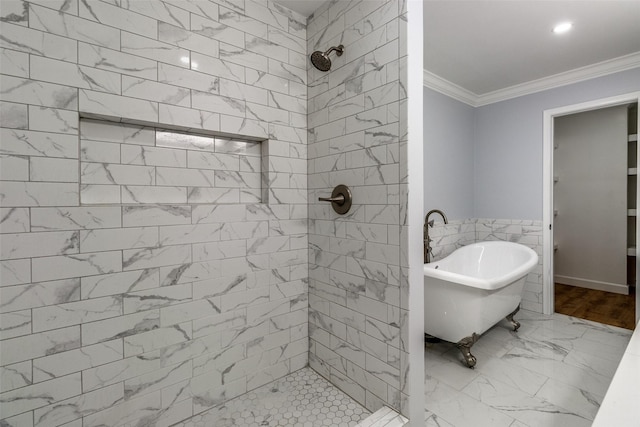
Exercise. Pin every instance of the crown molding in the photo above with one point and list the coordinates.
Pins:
(599, 69)
(452, 90)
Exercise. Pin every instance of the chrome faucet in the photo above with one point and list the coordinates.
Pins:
(427, 239)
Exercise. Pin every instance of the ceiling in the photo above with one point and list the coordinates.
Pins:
(485, 46)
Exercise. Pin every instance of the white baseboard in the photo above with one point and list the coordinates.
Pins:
(592, 284)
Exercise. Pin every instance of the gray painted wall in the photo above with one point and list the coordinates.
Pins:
(448, 155)
(497, 172)
(508, 145)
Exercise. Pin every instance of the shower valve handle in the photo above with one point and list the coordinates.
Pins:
(339, 199)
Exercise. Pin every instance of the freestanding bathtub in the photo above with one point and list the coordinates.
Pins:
(472, 289)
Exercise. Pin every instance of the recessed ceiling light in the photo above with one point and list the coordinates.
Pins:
(562, 28)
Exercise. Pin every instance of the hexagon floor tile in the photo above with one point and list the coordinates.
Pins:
(302, 398)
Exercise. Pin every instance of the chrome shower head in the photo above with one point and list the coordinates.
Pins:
(321, 60)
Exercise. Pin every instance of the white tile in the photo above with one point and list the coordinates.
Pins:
(207, 10)
(217, 104)
(161, 12)
(117, 106)
(123, 238)
(244, 126)
(27, 143)
(119, 370)
(66, 411)
(38, 345)
(15, 12)
(115, 61)
(53, 170)
(127, 412)
(190, 117)
(115, 174)
(213, 195)
(156, 298)
(15, 376)
(119, 283)
(133, 259)
(188, 79)
(145, 194)
(35, 42)
(23, 420)
(133, 216)
(217, 67)
(136, 87)
(27, 245)
(60, 364)
(158, 379)
(100, 152)
(15, 324)
(154, 50)
(62, 6)
(15, 272)
(217, 30)
(114, 16)
(79, 76)
(38, 395)
(120, 327)
(188, 39)
(184, 177)
(463, 410)
(181, 234)
(53, 120)
(158, 339)
(99, 194)
(39, 294)
(51, 21)
(61, 267)
(240, 91)
(195, 310)
(153, 156)
(13, 115)
(219, 213)
(570, 398)
(38, 93)
(22, 194)
(14, 220)
(14, 168)
(117, 132)
(43, 219)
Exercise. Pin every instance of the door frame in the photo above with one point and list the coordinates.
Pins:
(547, 191)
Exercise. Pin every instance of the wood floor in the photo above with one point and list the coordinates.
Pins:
(599, 306)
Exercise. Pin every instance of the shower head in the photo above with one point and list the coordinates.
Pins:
(321, 60)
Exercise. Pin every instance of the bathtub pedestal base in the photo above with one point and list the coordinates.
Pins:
(464, 345)
(514, 323)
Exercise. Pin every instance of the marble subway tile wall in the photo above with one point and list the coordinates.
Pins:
(449, 237)
(356, 134)
(153, 207)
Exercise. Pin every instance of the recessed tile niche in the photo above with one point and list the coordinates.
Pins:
(129, 164)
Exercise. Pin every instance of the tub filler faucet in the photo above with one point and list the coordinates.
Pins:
(427, 239)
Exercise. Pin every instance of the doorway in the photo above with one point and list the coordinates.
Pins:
(593, 225)
(590, 299)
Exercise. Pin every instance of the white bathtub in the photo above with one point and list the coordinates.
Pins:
(474, 288)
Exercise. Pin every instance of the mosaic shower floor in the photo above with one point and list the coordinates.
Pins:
(302, 398)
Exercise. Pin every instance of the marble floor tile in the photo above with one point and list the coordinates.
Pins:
(302, 398)
(553, 372)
